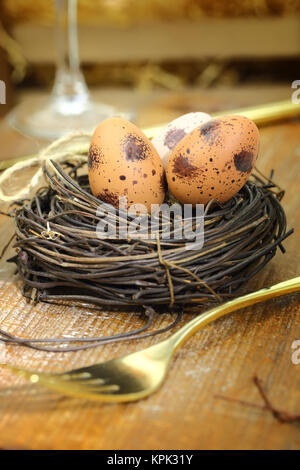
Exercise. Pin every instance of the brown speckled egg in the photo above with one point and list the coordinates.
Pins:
(123, 162)
(214, 161)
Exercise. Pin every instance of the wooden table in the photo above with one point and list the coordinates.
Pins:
(209, 400)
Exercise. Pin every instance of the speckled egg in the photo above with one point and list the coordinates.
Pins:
(214, 161)
(172, 133)
(122, 161)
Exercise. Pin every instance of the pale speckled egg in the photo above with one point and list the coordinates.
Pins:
(122, 161)
(170, 135)
(213, 161)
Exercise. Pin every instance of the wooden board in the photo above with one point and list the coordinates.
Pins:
(192, 410)
(170, 40)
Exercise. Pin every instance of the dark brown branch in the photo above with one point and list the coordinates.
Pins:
(280, 415)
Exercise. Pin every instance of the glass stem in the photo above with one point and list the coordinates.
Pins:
(70, 94)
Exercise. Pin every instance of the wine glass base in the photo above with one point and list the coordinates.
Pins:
(41, 120)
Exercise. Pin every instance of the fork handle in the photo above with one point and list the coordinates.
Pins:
(286, 287)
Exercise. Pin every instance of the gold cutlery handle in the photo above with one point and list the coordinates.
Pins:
(267, 113)
(286, 287)
(262, 114)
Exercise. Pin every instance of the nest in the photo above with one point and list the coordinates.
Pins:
(61, 259)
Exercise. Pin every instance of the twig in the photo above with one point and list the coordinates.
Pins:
(241, 402)
(3, 251)
(79, 268)
(241, 236)
(280, 415)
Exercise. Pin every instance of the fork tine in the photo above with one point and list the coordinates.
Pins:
(81, 381)
(85, 377)
(73, 374)
(59, 384)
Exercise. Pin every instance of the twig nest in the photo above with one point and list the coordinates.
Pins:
(62, 258)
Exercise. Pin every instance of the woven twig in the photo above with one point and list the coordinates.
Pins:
(62, 259)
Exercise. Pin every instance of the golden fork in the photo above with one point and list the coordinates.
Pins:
(138, 375)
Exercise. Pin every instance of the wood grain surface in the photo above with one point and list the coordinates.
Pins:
(202, 402)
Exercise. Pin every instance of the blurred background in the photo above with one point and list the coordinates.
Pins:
(160, 58)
